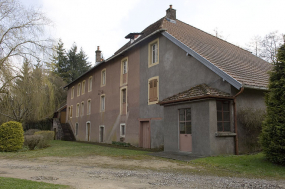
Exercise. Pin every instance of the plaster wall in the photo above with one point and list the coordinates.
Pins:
(111, 118)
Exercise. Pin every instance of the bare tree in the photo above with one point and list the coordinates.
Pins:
(266, 47)
(21, 35)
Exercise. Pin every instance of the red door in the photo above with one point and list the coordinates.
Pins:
(145, 134)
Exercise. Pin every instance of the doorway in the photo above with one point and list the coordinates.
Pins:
(145, 134)
(185, 130)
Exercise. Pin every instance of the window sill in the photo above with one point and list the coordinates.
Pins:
(225, 134)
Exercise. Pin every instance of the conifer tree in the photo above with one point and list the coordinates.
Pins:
(273, 128)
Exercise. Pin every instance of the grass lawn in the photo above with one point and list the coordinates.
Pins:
(71, 149)
(13, 183)
(253, 166)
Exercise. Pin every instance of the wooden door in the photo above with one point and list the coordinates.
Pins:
(62, 117)
(101, 134)
(145, 134)
(88, 131)
(185, 130)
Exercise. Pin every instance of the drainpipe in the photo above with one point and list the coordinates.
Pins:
(235, 122)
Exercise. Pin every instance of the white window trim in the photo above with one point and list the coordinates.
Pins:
(83, 87)
(122, 124)
(72, 92)
(105, 78)
(90, 84)
(150, 64)
(103, 126)
(101, 103)
(121, 99)
(86, 134)
(154, 102)
(77, 109)
(88, 105)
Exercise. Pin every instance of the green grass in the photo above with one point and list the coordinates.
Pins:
(75, 149)
(13, 183)
(254, 166)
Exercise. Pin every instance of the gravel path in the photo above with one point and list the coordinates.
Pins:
(72, 172)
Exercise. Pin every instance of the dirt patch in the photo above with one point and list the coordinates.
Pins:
(108, 173)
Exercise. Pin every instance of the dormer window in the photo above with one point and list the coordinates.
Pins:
(133, 36)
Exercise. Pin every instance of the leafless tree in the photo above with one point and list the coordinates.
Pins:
(21, 35)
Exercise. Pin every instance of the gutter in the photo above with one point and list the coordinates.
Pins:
(235, 120)
(256, 87)
(114, 56)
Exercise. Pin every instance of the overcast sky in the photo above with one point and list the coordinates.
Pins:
(105, 23)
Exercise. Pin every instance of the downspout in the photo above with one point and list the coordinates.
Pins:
(235, 120)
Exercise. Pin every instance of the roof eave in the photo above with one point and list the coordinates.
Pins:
(204, 61)
(114, 56)
(194, 99)
(256, 87)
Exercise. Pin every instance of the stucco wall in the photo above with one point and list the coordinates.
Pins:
(111, 118)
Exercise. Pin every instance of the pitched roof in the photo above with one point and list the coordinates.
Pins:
(201, 91)
(238, 63)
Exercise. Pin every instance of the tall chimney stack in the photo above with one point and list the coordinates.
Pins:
(171, 13)
(98, 54)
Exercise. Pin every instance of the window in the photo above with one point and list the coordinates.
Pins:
(82, 109)
(122, 130)
(89, 107)
(70, 111)
(78, 89)
(77, 110)
(90, 84)
(124, 71)
(185, 121)
(101, 133)
(102, 103)
(223, 116)
(103, 77)
(153, 53)
(83, 87)
(72, 92)
(123, 101)
(76, 129)
(153, 89)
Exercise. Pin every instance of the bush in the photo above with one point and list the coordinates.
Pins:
(31, 131)
(11, 136)
(47, 137)
(32, 141)
(251, 121)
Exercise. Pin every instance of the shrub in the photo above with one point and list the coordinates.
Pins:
(11, 136)
(32, 141)
(251, 121)
(47, 137)
(31, 131)
(273, 128)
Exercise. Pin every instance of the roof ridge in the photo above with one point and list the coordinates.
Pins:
(214, 36)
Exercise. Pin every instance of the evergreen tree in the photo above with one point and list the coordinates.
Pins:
(273, 129)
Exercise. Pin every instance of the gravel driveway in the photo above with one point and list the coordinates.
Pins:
(86, 173)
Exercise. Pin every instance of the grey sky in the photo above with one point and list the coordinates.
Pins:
(92, 23)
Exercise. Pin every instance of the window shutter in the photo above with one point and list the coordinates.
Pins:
(155, 98)
(151, 90)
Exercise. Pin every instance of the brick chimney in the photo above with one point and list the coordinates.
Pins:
(171, 13)
(98, 55)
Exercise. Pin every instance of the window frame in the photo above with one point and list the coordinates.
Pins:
(78, 89)
(77, 109)
(70, 111)
(103, 77)
(123, 134)
(150, 53)
(86, 132)
(83, 87)
(223, 112)
(72, 92)
(76, 128)
(185, 120)
(121, 99)
(90, 84)
(89, 107)
(102, 96)
(82, 109)
(157, 92)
